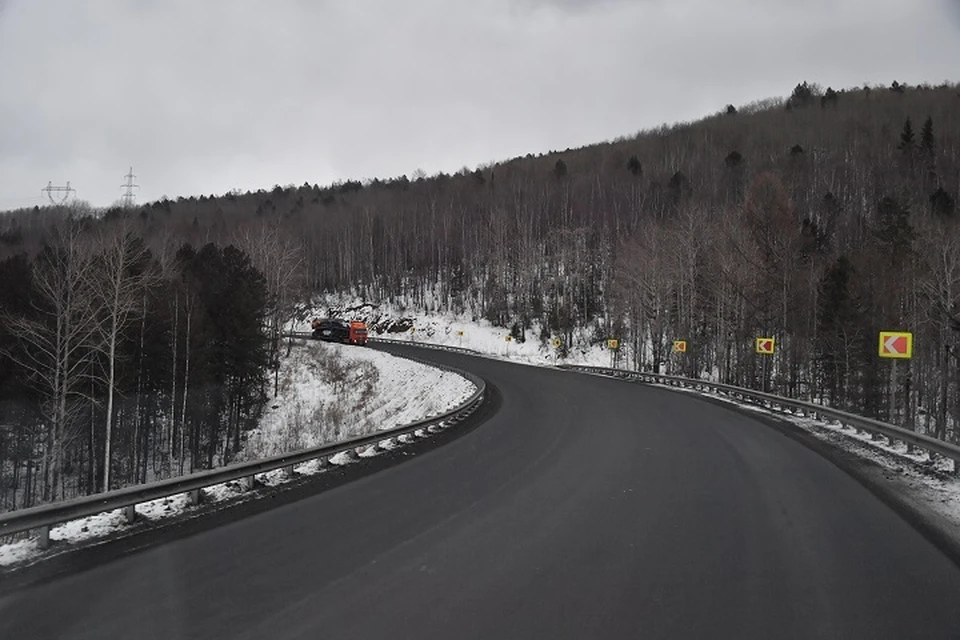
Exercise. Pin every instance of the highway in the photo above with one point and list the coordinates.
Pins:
(585, 507)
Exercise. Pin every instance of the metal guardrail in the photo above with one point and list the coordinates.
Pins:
(426, 345)
(45, 516)
(875, 427)
(382, 340)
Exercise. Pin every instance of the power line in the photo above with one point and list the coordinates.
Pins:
(59, 200)
(128, 196)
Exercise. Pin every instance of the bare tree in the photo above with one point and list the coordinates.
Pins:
(280, 258)
(117, 285)
(54, 343)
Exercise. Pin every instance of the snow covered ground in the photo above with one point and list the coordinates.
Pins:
(389, 321)
(327, 392)
(330, 392)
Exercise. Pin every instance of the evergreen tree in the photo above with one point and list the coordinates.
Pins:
(942, 203)
(839, 329)
(907, 136)
(926, 136)
(679, 187)
(894, 229)
(560, 169)
(830, 98)
(803, 96)
(733, 160)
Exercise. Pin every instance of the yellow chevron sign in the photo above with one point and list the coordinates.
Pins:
(766, 346)
(896, 344)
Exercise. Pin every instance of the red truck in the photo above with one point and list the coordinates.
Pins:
(336, 330)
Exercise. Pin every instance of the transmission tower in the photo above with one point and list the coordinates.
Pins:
(128, 186)
(59, 200)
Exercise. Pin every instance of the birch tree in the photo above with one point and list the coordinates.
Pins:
(280, 258)
(118, 284)
(53, 343)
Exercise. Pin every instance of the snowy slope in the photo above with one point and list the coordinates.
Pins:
(330, 392)
(390, 321)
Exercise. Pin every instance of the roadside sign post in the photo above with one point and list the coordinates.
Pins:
(765, 347)
(614, 346)
(679, 347)
(895, 345)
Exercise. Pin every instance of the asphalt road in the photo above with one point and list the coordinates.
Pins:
(585, 508)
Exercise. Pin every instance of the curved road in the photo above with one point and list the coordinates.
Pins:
(585, 508)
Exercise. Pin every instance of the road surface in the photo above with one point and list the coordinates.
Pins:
(584, 508)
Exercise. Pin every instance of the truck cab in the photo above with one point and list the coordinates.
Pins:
(358, 333)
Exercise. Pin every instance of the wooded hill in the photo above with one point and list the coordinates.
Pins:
(819, 219)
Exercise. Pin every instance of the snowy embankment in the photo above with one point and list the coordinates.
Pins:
(326, 393)
(330, 392)
(392, 322)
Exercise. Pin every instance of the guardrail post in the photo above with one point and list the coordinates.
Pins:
(288, 471)
(195, 496)
(130, 513)
(44, 540)
(246, 483)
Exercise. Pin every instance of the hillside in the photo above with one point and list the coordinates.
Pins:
(818, 219)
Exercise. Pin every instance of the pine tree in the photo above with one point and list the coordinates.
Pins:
(830, 98)
(926, 136)
(560, 169)
(803, 96)
(942, 203)
(894, 229)
(733, 159)
(839, 329)
(907, 137)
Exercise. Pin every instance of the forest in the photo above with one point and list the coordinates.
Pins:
(139, 343)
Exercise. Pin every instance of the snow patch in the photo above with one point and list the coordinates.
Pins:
(331, 392)
(342, 458)
(388, 321)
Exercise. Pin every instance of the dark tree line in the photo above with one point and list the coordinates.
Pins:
(819, 219)
(119, 365)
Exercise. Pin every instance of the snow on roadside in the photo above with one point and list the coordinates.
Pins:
(329, 392)
(925, 479)
(390, 322)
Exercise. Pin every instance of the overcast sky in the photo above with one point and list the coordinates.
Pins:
(208, 96)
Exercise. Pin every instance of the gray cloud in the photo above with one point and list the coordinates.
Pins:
(202, 97)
